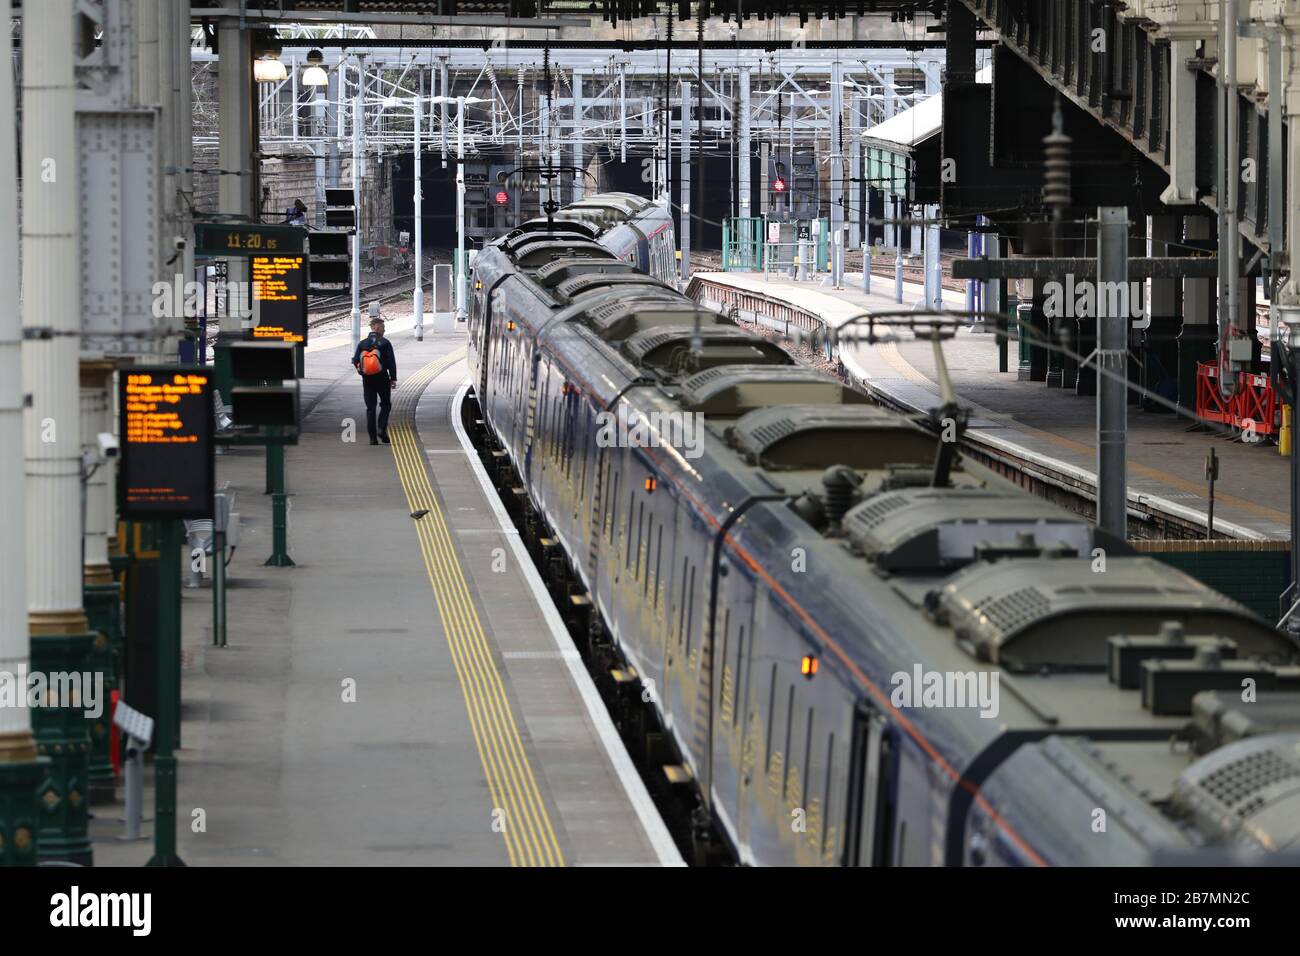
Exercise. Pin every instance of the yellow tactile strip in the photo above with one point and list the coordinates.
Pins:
(519, 812)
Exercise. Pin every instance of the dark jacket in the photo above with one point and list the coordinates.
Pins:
(386, 358)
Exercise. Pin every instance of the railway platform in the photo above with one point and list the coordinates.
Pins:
(1047, 430)
(405, 694)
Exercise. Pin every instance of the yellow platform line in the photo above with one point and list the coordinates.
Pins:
(526, 827)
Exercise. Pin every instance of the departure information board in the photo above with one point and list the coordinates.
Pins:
(166, 435)
(280, 298)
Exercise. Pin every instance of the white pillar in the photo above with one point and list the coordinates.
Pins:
(442, 91)
(933, 264)
(418, 301)
(15, 645)
(622, 112)
(235, 152)
(685, 240)
(544, 193)
(579, 180)
(1182, 129)
(898, 250)
(743, 149)
(358, 124)
(96, 377)
(51, 322)
(837, 177)
(182, 183)
(460, 209)
(855, 189)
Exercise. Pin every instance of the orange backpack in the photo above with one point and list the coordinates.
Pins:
(370, 364)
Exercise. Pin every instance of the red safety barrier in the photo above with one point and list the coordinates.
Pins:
(1253, 403)
(1210, 404)
(1256, 404)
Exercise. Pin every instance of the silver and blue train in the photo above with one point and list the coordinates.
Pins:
(864, 651)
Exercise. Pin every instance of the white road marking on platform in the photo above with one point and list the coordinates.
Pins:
(540, 655)
(651, 823)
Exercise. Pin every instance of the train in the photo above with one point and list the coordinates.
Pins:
(636, 229)
(865, 649)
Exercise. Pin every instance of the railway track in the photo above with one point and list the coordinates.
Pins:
(334, 307)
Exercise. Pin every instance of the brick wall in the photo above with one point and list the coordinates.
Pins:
(294, 177)
(1253, 573)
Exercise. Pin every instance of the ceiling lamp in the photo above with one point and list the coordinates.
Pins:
(315, 74)
(269, 69)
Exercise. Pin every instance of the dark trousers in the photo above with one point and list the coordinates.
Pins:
(377, 387)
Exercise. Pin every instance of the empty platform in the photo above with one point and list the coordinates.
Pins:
(400, 696)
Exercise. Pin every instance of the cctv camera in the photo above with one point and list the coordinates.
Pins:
(107, 445)
(178, 243)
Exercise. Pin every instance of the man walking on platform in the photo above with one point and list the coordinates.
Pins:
(377, 367)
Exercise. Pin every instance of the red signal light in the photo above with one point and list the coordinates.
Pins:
(502, 197)
(778, 185)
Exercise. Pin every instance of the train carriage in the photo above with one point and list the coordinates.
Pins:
(860, 657)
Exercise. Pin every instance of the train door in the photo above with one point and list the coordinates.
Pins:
(481, 335)
(868, 833)
(530, 413)
(596, 529)
(733, 630)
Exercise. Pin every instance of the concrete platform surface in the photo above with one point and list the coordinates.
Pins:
(394, 698)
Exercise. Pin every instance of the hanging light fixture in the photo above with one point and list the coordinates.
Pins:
(269, 69)
(314, 74)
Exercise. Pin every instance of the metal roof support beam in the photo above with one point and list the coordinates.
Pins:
(261, 18)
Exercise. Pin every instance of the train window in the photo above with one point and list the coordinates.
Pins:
(586, 451)
(636, 548)
(613, 511)
(558, 427)
(627, 554)
(659, 553)
(828, 794)
(681, 607)
(771, 719)
(740, 670)
(602, 477)
(789, 731)
(690, 610)
(807, 759)
(649, 543)
(722, 684)
(565, 428)
(571, 416)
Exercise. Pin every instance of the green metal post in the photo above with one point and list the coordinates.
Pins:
(1024, 330)
(279, 505)
(219, 588)
(103, 613)
(21, 772)
(222, 375)
(62, 734)
(1005, 318)
(167, 726)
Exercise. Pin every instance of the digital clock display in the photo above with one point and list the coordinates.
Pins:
(246, 239)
